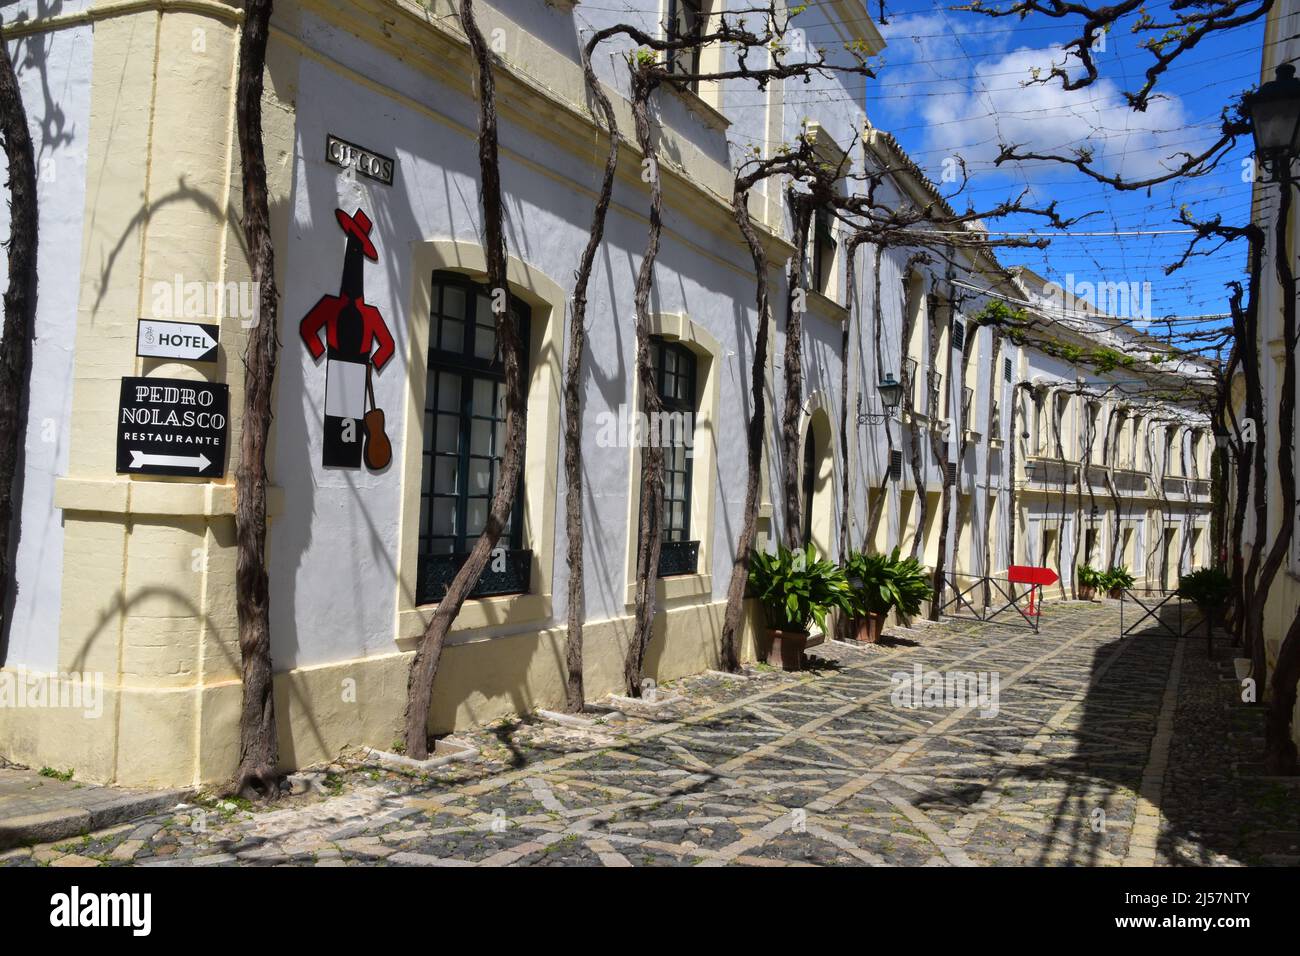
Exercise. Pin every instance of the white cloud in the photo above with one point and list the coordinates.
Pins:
(990, 104)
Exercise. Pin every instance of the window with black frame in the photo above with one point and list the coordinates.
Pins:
(464, 442)
(685, 21)
(675, 376)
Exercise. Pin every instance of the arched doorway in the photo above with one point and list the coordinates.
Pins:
(817, 483)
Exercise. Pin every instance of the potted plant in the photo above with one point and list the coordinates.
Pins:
(1116, 580)
(880, 583)
(795, 589)
(1090, 580)
(1208, 589)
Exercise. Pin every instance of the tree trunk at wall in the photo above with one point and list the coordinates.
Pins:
(1241, 501)
(850, 278)
(994, 420)
(1115, 429)
(650, 521)
(1085, 482)
(950, 475)
(730, 651)
(915, 458)
(1242, 451)
(19, 326)
(846, 486)
(259, 748)
(1279, 750)
(1250, 636)
(1165, 512)
(877, 507)
(1012, 504)
(1057, 426)
(792, 411)
(424, 667)
(574, 693)
(939, 443)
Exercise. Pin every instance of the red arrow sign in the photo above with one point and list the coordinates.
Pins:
(1028, 574)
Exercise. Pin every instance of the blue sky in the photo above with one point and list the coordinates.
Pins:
(951, 83)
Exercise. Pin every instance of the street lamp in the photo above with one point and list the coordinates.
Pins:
(1275, 119)
(890, 391)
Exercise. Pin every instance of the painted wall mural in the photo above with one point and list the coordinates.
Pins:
(356, 344)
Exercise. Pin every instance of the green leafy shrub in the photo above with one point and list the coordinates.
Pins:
(879, 583)
(797, 587)
(1117, 578)
(1208, 587)
(1090, 577)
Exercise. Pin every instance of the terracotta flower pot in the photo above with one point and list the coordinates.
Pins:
(785, 649)
(1087, 592)
(866, 629)
(1115, 594)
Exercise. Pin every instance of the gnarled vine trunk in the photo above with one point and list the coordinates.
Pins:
(19, 324)
(259, 749)
(424, 667)
(574, 693)
(756, 432)
(650, 519)
(792, 373)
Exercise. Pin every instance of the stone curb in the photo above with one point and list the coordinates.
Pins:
(54, 825)
(454, 751)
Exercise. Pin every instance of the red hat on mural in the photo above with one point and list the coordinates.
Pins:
(359, 227)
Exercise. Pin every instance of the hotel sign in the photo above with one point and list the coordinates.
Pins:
(351, 156)
(168, 426)
(186, 341)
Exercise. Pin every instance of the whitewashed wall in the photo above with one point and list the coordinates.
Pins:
(54, 71)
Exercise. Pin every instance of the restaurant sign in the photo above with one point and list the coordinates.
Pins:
(168, 426)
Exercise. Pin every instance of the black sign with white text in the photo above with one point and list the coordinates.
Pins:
(372, 165)
(168, 426)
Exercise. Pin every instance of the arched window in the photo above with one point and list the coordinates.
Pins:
(464, 442)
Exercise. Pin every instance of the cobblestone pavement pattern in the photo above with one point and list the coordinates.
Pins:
(1103, 750)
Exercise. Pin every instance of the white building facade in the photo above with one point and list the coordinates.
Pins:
(371, 129)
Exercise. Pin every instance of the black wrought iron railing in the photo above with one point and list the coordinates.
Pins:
(678, 557)
(507, 572)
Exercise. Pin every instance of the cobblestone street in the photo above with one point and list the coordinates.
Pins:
(1095, 750)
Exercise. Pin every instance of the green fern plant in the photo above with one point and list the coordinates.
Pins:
(1208, 588)
(1117, 578)
(797, 588)
(881, 582)
(1090, 577)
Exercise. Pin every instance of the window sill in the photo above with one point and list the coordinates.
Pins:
(701, 107)
(679, 587)
(476, 613)
(828, 307)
